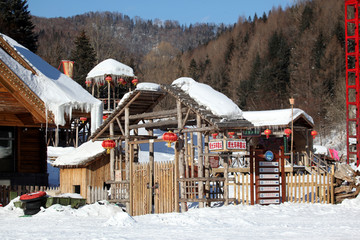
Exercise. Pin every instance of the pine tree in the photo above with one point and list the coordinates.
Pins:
(84, 58)
(15, 22)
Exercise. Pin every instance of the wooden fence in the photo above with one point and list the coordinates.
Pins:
(300, 188)
(7, 193)
(95, 194)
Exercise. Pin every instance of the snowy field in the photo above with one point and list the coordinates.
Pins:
(106, 221)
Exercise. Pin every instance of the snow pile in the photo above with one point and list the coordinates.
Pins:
(59, 93)
(274, 117)
(214, 101)
(58, 151)
(107, 221)
(318, 149)
(109, 67)
(80, 155)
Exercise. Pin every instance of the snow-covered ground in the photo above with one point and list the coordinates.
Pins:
(107, 221)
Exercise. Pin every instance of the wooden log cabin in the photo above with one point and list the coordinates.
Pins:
(34, 96)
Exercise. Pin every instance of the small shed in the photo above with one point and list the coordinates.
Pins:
(87, 165)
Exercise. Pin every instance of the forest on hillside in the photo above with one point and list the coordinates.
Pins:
(259, 62)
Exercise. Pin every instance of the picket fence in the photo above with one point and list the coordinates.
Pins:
(300, 188)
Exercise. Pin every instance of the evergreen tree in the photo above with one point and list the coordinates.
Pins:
(15, 22)
(193, 70)
(306, 18)
(84, 58)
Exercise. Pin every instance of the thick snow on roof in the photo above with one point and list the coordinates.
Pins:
(148, 86)
(110, 67)
(60, 93)
(216, 102)
(80, 155)
(274, 117)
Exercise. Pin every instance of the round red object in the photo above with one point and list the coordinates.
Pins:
(214, 135)
(135, 81)
(267, 132)
(108, 145)
(287, 132)
(108, 78)
(105, 117)
(231, 134)
(88, 83)
(29, 196)
(314, 133)
(83, 119)
(169, 137)
(122, 81)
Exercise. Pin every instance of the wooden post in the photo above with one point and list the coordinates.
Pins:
(128, 167)
(131, 156)
(109, 87)
(151, 163)
(226, 176)
(57, 135)
(252, 176)
(112, 153)
(283, 178)
(207, 167)
(200, 160)
(181, 156)
(176, 176)
(77, 133)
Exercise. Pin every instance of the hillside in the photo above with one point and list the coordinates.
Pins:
(258, 62)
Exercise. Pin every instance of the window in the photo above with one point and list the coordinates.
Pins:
(77, 189)
(7, 149)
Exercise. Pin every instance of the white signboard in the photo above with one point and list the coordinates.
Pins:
(269, 182)
(216, 145)
(268, 164)
(269, 195)
(269, 170)
(268, 189)
(269, 201)
(268, 176)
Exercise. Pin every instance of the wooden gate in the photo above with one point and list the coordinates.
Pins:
(158, 197)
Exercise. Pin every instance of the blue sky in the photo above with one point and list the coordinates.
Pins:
(184, 11)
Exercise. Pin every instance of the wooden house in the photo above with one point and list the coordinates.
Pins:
(34, 96)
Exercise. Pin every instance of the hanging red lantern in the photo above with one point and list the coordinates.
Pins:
(122, 81)
(88, 83)
(100, 83)
(108, 144)
(267, 132)
(105, 117)
(287, 132)
(169, 137)
(83, 119)
(214, 135)
(108, 78)
(314, 133)
(231, 134)
(135, 81)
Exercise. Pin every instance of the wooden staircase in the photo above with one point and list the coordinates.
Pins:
(315, 164)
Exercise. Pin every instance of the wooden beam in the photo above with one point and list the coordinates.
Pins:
(154, 115)
(120, 126)
(154, 124)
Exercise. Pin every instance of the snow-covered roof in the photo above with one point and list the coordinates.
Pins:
(81, 155)
(109, 67)
(214, 101)
(59, 93)
(280, 117)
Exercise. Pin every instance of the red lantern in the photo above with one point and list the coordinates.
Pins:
(214, 135)
(108, 145)
(314, 133)
(231, 134)
(135, 81)
(100, 83)
(88, 83)
(287, 132)
(267, 132)
(105, 117)
(169, 137)
(108, 78)
(83, 119)
(120, 81)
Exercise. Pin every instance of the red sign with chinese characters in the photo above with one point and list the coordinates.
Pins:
(216, 145)
(231, 145)
(238, 144)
